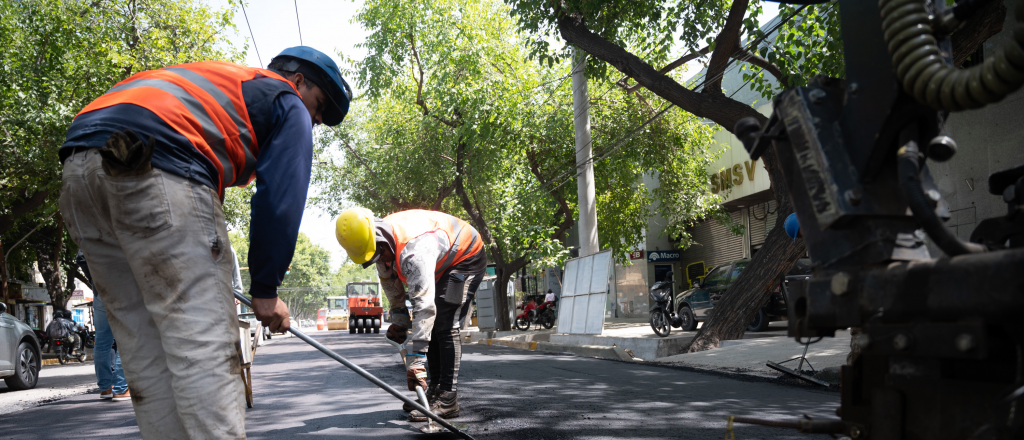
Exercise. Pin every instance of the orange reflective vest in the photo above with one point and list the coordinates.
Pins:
(407, 225)
(203, 102)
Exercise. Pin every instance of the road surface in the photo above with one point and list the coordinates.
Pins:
(505, 394)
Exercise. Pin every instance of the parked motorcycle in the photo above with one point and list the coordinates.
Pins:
(534, 314)
(663, 317)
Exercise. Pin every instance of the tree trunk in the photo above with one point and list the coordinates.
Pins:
(48, 248)
(753, 286)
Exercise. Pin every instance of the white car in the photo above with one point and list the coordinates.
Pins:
(20, 357)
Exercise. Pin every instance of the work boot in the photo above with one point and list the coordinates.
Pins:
(446, 405)
(431, 397)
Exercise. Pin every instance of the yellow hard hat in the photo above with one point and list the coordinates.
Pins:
(354, 230)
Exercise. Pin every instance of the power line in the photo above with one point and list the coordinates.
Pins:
(296, 3)
(242, 2)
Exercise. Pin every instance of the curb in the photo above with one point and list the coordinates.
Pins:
(50, 362)
(595, 351)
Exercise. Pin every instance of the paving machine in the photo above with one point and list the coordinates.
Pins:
(336, 313)
(365, 311)
(941, 345)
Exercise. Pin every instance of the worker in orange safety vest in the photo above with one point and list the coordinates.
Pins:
(441, 259)
(145, 169)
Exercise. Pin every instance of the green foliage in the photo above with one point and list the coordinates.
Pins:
(59, 55)
(660, 30)
(449, 82)
(236, 207)
(309, 279)
(810, 44)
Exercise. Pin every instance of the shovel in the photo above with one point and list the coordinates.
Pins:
(373, 379)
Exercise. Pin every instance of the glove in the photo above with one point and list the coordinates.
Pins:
(416, 371)
(397, 333)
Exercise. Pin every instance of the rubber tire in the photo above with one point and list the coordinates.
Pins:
(522, 324)
(62, 356)
(689, 321)
(351, 327)
(82, 357)
(760, 322)
(661, 323)
(549, 320)
(30, 361)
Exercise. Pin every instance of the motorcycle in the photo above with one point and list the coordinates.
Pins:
(663, 316)
(65, 349)
(532, 313)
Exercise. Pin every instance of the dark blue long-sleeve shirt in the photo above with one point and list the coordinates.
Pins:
(283, 130)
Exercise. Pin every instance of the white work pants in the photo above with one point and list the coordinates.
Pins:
(158, 250)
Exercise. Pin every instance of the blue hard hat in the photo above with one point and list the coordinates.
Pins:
(330, 80)
(792, 226)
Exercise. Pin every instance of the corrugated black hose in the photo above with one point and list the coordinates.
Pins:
(910, 158)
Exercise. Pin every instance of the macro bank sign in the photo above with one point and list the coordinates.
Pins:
(662, 256)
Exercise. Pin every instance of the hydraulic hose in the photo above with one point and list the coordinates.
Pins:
(909, 170)
(926, 76)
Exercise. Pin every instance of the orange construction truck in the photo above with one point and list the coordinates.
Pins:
(364, 307)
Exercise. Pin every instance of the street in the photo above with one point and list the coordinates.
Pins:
(504, 394)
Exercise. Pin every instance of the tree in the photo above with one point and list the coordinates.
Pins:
(58, 56)
(615, 31)
(308, 281)
(454, 106)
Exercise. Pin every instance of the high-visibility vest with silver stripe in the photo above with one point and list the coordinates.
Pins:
(203, 102)
(407, 225)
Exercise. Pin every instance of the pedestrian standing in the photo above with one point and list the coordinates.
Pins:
(106, 359)
(441, 259)
(145, 169)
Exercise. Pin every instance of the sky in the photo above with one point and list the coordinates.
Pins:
(326, 25)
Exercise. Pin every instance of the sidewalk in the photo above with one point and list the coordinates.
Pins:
(632, 340)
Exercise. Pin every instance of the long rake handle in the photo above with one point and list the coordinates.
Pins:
(366, 375)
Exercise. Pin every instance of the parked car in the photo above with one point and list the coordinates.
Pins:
(697, 304)
(20, 357)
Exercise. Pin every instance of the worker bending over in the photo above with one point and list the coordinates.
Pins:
(145, 168)
(442, 261)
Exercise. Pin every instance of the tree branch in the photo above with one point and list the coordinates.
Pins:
(755, 59)
(716, 107)
(29, 203)
(668, 68)
(442, 194)
(725, 44)
(985, 23)
(419, 82)
(360, 158)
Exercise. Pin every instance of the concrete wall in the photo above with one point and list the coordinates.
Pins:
(990, 140)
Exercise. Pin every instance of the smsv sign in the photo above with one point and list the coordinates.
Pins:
(730, 177)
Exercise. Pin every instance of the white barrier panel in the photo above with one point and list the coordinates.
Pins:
(582, 304)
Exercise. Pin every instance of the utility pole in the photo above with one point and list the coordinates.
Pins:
(584, 158)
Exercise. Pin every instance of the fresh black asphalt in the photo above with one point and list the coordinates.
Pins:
(504, 394)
